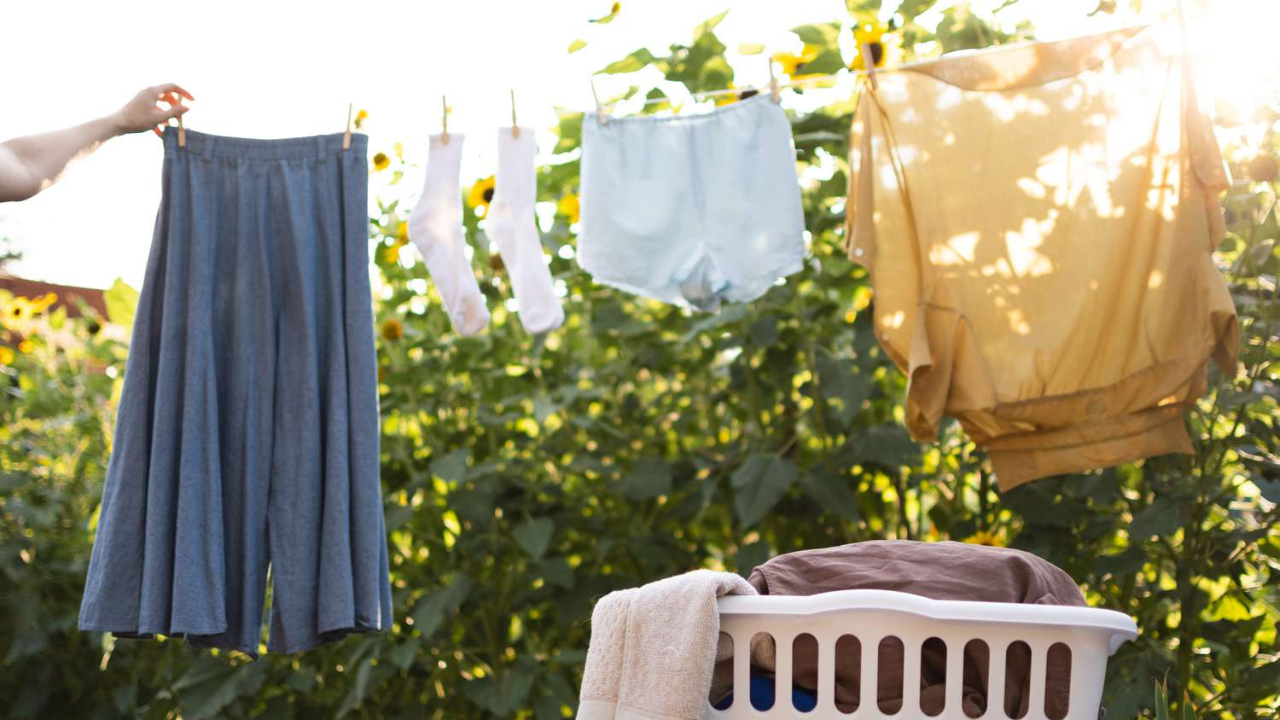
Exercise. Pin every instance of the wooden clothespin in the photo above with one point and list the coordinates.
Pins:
(515, 127)
(601, 117)
(346, 137)
(774, 91)
(444, 121)
(182, 130)
(869, 64)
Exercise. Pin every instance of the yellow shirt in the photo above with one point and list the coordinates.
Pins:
(1039, 222)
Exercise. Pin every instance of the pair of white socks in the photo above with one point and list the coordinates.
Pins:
(435, 227)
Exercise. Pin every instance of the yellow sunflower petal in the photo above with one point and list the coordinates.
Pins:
(568, 206)
(985, 537)
(481, 193)
(886, 46)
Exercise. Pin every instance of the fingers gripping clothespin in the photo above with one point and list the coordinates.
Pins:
(346, 136)
(515, 127)
(444, 120)
(601, 116)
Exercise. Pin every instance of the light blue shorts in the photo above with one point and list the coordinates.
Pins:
(692, 210)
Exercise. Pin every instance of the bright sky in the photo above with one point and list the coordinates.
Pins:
(282, 69)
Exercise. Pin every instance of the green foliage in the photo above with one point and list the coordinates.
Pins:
(121, 301)
(525, 477)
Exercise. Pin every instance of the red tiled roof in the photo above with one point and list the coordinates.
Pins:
(69, 296)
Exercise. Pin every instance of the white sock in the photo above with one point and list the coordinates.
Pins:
(435, 227)
(511, 225)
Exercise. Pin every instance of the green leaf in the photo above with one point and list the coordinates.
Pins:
(759, 483)
(751, 555)
(403, 655)
(1161, 518)
(887, 445)
(534, 536)
(727, 316)
(543, 408)
(1188, 711)
(556, 571)
(613, 13)
(824, 35)
(1264, 676)
(122, 303)
(863, 8)
(546, 708)
(637, 60)
(750, 48)
(708, 25)
(831, 492)
(569, 131)
(502, 696)
(828, 61)
(576, 45)
(648, 479)
(432, 608)
(839, 380)
(1161, 703)
(911, 9)
(212, 684)
(452, 466)
(1122, 565)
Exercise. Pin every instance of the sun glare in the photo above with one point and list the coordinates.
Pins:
(1235, 52)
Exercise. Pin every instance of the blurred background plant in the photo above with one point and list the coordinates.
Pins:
(525, 477)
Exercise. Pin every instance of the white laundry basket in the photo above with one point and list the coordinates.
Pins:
(871, 616)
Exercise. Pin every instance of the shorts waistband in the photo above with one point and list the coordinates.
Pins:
(761, 99)
(301, 148)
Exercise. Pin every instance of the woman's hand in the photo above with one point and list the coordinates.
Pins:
(144, 112)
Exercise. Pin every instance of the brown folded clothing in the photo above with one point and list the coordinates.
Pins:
(941, 571)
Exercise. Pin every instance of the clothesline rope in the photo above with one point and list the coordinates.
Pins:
(809, 79)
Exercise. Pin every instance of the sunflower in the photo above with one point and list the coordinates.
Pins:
(392, 329)
(985, 537)
(792, 64)
(568, 207)
(6, 355)
(18, 312)
(728, 98)
(731, 98)
(381, 162)
(886, 46)
(402, 233)
(26, 346)
(481, 195)
(360, 118)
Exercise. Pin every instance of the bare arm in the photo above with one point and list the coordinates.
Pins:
(32, 163)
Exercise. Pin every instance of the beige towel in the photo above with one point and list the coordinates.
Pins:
(653, 649)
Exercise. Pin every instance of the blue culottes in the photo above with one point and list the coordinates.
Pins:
(247, 434)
